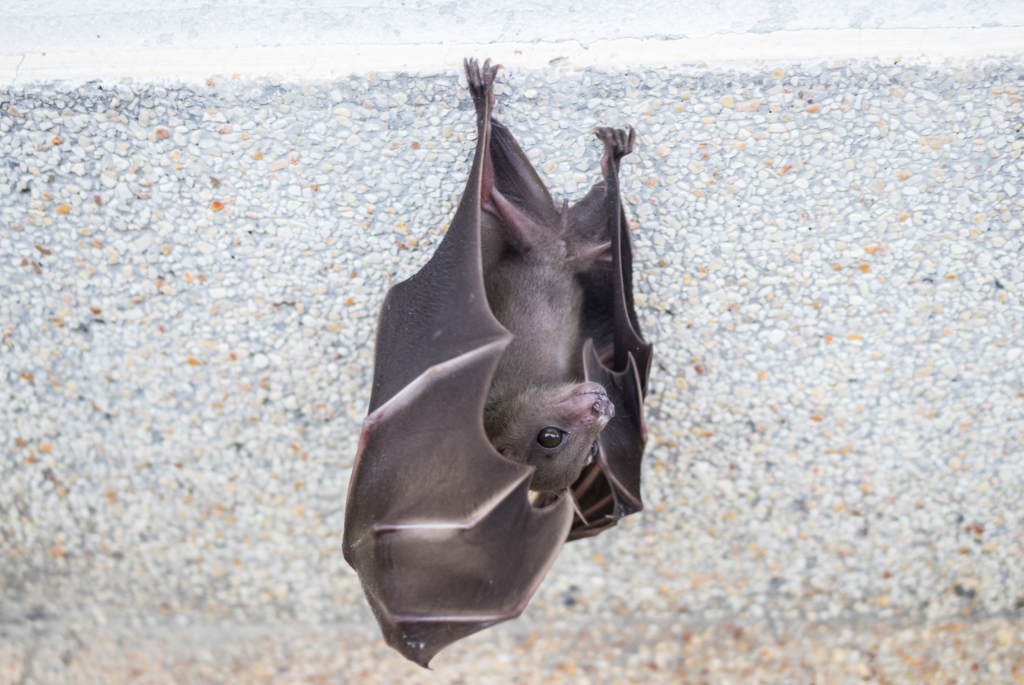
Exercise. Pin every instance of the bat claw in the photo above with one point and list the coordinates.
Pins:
(481, 83)
(576, 506)
(617, 142)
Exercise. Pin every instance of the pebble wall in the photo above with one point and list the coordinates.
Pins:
(828, 260)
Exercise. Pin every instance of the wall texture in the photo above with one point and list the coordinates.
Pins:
(103, 25)
(828, 260)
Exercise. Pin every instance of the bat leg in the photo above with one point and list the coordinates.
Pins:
(481, 88)
(521, 229)
(617, 144)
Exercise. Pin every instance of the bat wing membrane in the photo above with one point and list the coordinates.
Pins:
(616, 356)
(438, 525)
(517, 180)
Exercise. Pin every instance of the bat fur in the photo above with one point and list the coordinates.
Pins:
(523, 313)
(536, 258)
(534, 290)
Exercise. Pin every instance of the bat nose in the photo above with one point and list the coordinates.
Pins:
(588, 403)
(603, 406)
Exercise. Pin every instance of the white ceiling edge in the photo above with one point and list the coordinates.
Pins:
(325, 62)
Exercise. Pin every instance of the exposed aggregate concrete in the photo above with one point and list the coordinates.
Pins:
(828, 260)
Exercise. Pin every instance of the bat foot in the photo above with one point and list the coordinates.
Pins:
(617, 143)
(481, 85)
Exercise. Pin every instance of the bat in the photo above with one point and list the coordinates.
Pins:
(539, 411)
(475, 369)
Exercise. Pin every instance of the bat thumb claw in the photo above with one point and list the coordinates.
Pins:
(576, 506)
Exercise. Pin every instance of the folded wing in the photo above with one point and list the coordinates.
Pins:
(438, 525)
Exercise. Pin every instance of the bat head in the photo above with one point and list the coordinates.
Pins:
(554, 429)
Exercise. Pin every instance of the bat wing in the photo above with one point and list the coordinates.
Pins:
(609, 488)
(517, 180)
(438, 525)
(616, 356)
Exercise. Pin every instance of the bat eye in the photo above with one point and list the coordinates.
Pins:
(593, 450)
(550, 437)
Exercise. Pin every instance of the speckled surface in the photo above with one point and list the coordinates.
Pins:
(828, 260)
(564, 650)
(84, 26)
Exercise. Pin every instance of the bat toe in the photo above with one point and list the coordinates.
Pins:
(617, 142)
(480, 80)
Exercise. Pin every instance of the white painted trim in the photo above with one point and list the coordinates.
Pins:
(319, 62)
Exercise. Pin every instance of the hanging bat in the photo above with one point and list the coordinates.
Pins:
(519, 334)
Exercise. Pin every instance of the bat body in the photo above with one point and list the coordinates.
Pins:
(521, 321)
(539, 411)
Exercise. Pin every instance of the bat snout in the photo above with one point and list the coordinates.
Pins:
(603, 407)
(589, 404)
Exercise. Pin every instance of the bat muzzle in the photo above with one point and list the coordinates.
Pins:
(589, 404)
(603, 407)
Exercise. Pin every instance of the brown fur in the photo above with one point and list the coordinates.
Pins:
(535, 293)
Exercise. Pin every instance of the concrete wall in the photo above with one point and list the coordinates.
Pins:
(103, 25)
(828, 259)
